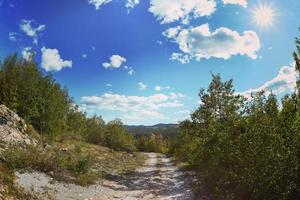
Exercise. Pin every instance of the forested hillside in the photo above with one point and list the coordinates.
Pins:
(168, 130)
(45, 105)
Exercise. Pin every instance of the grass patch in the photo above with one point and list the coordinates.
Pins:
(68, 166)
(105, 160)
(71, 161)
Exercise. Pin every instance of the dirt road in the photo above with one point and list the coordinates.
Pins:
(158, 179)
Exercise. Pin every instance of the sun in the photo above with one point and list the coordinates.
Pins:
(264, 15)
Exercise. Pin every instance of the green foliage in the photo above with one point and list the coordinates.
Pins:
(242, 149)
(153, 143)
(118, 138)
(76, 121)
(95, 130)
(297, 61)
(35, 97)
(45, 105)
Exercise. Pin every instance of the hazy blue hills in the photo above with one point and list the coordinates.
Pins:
(163, 129)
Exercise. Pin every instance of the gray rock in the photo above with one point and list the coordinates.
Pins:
(13, 128)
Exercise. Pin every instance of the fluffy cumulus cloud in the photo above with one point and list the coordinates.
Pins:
(283, 83)
(142, 86)
(243, 3)
(116, 61)
(99, 3)
(51, 60)
(199, 42)
(133, 107)
(31, 29)
(168, 11)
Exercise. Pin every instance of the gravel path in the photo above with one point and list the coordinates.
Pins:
(158, 179)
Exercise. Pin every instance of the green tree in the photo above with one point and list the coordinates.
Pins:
(95, 130)
(35, 97)
(118, 138)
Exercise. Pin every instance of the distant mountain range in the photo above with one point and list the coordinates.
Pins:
(163, 129)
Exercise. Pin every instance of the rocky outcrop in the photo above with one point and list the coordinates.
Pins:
(13, 128)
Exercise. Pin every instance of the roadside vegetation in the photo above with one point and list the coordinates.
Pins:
(72, 147)
(243, 148)
(153, 143)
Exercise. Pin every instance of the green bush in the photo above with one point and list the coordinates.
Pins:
(83, 164)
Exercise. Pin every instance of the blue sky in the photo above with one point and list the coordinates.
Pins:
(144, 61)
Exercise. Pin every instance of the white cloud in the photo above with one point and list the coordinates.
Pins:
(99, 3)
(51, 60)
(284, 82)
(116, 61)
(168, 11)
(176, 95)
(182, 112)
(27, 53)
(109, 85)
(172, 32)
(131, 72)
(160, 88)
(13, 36)
(159, 42)
(31, 30)
(243, 3)
(130, 4)
(183, 58)
(199, 42)
(142, 86)
(84, 55)
(146, 114)
(134, 107)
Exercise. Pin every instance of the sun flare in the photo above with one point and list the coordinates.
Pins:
(264, 16)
